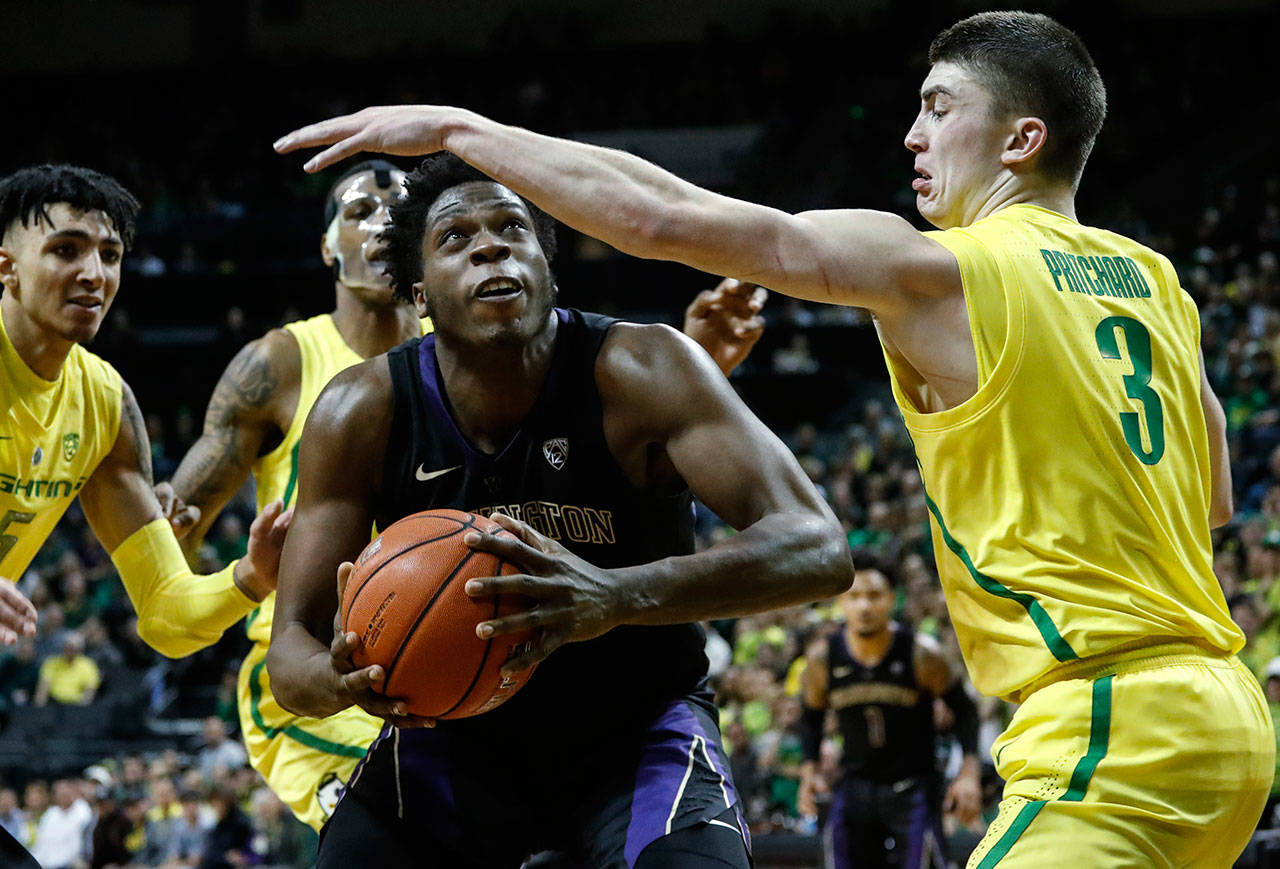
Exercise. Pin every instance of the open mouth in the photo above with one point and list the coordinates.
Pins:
(498, 289)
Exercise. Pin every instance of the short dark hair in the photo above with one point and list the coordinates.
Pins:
(27, 194)
(1033, 65)
(866, 559)
(381, 170)
(403, 235)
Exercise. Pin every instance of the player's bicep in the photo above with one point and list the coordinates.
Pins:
(119, 498)
(861, 258)
(1215, 420)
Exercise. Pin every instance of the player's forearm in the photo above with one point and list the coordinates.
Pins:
(297, 664)
(209, 475)
(625, 201)
(782, 560)
(179, 612)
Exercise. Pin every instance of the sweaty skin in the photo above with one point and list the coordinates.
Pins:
(669, 416)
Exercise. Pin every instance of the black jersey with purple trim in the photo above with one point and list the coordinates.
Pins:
(558, 475)
(885, 716)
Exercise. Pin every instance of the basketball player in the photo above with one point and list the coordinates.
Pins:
(1049, 374)
(596, 433)
(70, 426)
(254, 425)
(882, 678)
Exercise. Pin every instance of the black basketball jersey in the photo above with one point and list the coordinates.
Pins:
(557, 475)
(885, 716)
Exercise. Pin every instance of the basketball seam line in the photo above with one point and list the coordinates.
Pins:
(488, 647)
(468, 524)
(421, 615)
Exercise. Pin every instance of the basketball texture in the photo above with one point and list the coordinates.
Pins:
(406, 600)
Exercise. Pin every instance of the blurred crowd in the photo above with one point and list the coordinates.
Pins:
(204, 808)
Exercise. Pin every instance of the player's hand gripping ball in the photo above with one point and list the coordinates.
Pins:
(405, 599)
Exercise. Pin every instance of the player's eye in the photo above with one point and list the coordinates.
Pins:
(111, 256)
(451, 234)
(65, 251)
(514, 223)
(937, 114)
(359, 212)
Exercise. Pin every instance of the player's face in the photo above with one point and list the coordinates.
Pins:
(351, 239)
(957, 143)
(485, 277)
(64, 273)
(868, 603)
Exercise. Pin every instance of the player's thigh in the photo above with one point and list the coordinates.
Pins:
(1164, 766)
(716, 844)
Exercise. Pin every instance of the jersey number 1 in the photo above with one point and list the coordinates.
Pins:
(8, 541)
(1136, 385)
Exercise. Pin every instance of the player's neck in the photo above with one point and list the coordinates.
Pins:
(491, 388)
(1025, 190)
(373, 329)
(40, 350)
(869, 650)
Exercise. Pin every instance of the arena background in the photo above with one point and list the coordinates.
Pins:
(799, 105)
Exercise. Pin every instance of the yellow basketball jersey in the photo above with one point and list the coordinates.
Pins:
(53, 434)
(323, 354)
(1070, 495)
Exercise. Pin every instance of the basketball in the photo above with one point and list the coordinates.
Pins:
(406, 600)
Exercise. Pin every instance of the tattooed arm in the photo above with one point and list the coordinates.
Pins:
(178, 611)
(249, 411)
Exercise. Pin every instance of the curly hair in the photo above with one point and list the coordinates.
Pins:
(28, 193)
(403, 235)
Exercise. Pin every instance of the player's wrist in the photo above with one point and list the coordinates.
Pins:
(246, 580)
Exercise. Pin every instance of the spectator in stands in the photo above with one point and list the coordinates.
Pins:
(19, 675)
(219, 752)
(164, 816)
(189, 835)
(98, 646)
(280, 838)
(35, 802)
(60, 834)
(118, 832)
(229, 843)
(70, 678)
(51, 630)
(11, 817)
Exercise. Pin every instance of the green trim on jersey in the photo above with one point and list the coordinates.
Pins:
(297, 734)
(293, 475)
(1059, 647)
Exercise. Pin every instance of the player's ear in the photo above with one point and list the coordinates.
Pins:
(1025, 141)
(420, 300)
(8, 270)
(326, 253)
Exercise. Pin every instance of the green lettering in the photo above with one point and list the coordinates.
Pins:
(23, 488)
(1144, 291)
(1122, 264)
(1064, 262)
(59, 488)
(7, 482)
(1054, 271)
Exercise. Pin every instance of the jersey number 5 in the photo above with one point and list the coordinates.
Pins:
(8, 541)
(1136, 385)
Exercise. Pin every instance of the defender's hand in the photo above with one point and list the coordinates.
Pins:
(402, 130)
(726, 321)
(17, 614)
(266, 542)
(181, 515)
(350, 685)
(574, 600)
(964, 798)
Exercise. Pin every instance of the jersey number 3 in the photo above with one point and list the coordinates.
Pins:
(1136, 385)
(8, 541)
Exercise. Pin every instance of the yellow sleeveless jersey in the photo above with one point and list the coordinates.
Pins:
(53, 434)
(324, 354)
(1070, 495)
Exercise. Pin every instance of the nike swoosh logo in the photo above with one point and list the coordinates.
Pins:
(422, 476)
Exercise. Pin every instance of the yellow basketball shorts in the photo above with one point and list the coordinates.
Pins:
(305, 761)
(1163, 758)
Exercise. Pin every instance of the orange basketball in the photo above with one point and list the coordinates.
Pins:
(405, 599)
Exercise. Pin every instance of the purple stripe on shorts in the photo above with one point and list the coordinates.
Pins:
(921, 822)
(837, 833)
(661, 771)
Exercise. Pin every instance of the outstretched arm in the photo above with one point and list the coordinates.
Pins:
(868, 259)
(671, 418)
(179, 612)
(256, 393)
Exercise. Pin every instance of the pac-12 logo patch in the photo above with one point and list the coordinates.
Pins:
(557, 452)
(70, 443)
